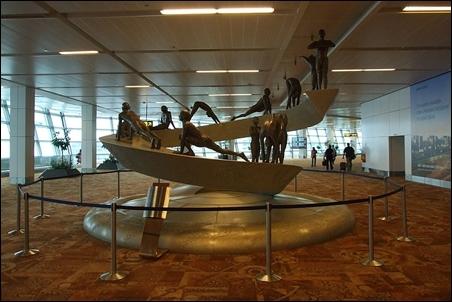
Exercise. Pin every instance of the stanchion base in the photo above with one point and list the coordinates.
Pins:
(108, 276)
(43, 216)
(268, 278)
(156, 253)
(23, 253)
(15, 232)
(404, 238)
(389, 218)
(373, 262)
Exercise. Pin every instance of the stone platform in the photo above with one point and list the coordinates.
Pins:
(222, 232)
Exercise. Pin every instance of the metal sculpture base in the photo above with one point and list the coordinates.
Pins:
(108, 276)
(23, 253)
(15, 232)
(225, 232)
(373, 262)
(156, 253)
(268, 278)
(44, 216)
(405, 239)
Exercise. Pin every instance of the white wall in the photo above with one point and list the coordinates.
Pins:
(386, 116)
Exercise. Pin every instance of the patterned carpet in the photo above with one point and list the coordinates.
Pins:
(70, 261)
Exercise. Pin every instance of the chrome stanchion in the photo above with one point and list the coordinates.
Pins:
(343, 186)
(119, 186)
(371, 261)
(17, 230)
(42, 215)
(26, 251)
(386, 217)
(113, 274)
(81, 187)
(268, 276)
(404, 237)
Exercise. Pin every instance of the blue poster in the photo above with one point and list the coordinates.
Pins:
(430, 128)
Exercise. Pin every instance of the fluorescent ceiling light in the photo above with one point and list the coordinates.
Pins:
(427, 9)
(79, 52)
(363, 69)
(164, 102)
(206, 11)
(137, 86)
(225, 71)
(230, 94)
(246, 10)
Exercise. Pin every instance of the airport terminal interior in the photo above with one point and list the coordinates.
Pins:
(225, 150)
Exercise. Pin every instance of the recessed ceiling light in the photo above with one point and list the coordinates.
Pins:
(363, 69)
(136, 86)
(427, 9)
(231, 10)
(226, 71)
(79, 52)
(230, 94)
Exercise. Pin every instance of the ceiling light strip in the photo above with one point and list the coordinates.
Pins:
(211, 11)
(363, 69)
(79, 52)
(229, 71)
(426, 9)
(137, 86)
(230, 94)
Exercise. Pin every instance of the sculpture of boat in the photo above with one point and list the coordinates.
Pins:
(217, 174)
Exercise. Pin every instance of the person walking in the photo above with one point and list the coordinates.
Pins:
(329, 158)
(313, 157)
(349, 154)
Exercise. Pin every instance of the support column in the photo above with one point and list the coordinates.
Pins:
(89, 114)
(22, 139)
(303, 152)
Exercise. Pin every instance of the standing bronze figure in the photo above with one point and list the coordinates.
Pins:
(206, 108)
(293, 92)
(264, 104)
(312, 63)
(273, 136)
(322, 47)
(192, 136)
(255, 146)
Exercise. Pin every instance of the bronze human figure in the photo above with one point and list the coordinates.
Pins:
(293, 92)
(273, 136)
(192, 136)
(312, 63)
(264, 104)
(165, 120)
(322, 47)
(206, 108)
(254, 134)
(129, 122)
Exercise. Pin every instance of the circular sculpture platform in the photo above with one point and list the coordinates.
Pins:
(225, 231)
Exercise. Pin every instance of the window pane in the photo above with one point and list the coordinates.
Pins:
(5, 131)
(103, 123)
(100, 133)
(40, 119)
(56, 120)
(75, 135)
(36, 150)
(73, 122)
(5, 149)
(47, 149)
(43, 133)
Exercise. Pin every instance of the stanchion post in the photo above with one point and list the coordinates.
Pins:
(42, 215)
(119, 185)
(81, 187)
(17, 230)
(386, 210)
(113, 275)
(268, 276)
(26, 251)
(343, 186)
(404, 236)
(371, 261)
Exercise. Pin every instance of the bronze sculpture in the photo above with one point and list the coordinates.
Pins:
(312, 63)
(165, 120)
(322, 47)
(274, 136)
(206, 108)
(129, 123)
(293, 92)
(254, 134)
(264, 104)
(192, 136)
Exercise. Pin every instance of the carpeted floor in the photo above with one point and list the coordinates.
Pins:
(70, 261)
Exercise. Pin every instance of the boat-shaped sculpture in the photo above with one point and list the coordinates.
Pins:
(217, 174)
